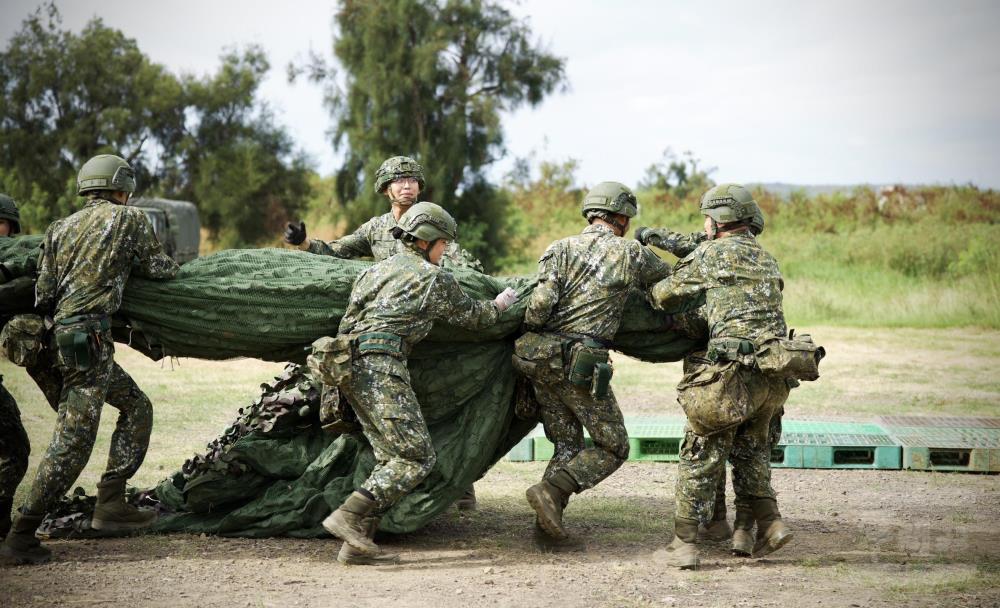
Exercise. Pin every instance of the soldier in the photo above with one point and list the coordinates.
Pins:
(718, 529)
(573, 314)
(740, 285)
(86, 262)
(400, 179)
(393, 306)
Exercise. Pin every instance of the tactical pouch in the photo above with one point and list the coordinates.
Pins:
(584, 357)
(714, 397)
(537, 355)
(77, 349)
(602, 380)
(330, 361)
(794, 358)
(22, 339)
(336, 416)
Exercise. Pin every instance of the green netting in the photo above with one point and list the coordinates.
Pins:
(271, 304)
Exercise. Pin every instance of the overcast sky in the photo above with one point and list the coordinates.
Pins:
(837, 92)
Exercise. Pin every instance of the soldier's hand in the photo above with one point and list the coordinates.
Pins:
(295, 233)
(642, 234)
(505, 299)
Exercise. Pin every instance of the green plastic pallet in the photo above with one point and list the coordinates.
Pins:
(835, 445)
(947, 448)
(651, 438)
(524, 451)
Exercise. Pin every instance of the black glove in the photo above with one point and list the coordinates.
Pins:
(642, 234)
(295, 233)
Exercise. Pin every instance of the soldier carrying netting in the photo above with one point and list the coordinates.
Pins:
(392, 307)
(400, 179)
(86, 262)
(729, 401)
(573, 314)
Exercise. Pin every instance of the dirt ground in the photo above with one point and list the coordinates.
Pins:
(862, 538)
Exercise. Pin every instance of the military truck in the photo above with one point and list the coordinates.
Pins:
(176, 224)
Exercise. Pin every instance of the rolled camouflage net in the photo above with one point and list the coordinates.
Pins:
(263, 479)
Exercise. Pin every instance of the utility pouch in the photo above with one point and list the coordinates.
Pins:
(794, 358)
(336, 416)
(22, 339)
(602, 380)
(77, 349)
(584, 356)
(714, 397)
(330, 361)
(537, 355)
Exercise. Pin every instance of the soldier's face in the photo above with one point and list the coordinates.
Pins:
(708, 227)
(404, 190)
(4, 228)
(437, 251)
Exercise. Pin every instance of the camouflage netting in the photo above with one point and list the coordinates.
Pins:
(275, 472)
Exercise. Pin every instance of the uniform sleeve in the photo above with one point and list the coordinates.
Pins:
(545, 296)
(651, 267)
(354, 245)
(681, 245)
(447, 302)
(152, 263)
(45, 286)
(685, 288)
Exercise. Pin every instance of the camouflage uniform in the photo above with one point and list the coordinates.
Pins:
(583, 283)
(399, 298)
(740, 286)
(374, 239)
(86, 262)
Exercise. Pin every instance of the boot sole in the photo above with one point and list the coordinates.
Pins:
(349, 536)
(115, 526)
(390, 559)
(773, 545)
(550, 527)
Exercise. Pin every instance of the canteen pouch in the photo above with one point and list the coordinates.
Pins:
(584, 357)
(22, 339)
(794, 358)
(330, 361)
(77, 347)
(537, 355)
(602, 380)
(714, 396)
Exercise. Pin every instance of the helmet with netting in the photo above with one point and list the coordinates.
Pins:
(728, 203)
(429, 222)
(395, 168)
(610, 197)
(9, 212)
(106, 172)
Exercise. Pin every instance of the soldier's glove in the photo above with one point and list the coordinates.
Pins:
(642, 234)
(295, 233)
(505, 299)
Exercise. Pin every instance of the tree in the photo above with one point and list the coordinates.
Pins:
(67, 97)
(430, 80)
(677, 176)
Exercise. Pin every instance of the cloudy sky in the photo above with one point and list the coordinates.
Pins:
(837, 92)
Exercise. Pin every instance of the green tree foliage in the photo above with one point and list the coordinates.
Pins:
(430, 80)
(67, 97)
(677, 177)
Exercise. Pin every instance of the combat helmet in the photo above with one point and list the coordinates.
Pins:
(106, 172)
(610, 197)
(728, 203)
(428, 222)
(9, 212)
(395, 168)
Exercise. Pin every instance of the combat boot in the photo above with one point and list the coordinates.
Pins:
(21, 546)
(548, 498)
(347, 523)
(682, 552)
(717, 530)
(772, 534)
(352, 557)
(113, 514)
(743, 533)
(468, 500)
(6, 504)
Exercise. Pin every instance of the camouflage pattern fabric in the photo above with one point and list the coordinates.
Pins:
(374, 239)
(583, 282)
(83, 395)
(14, 445)
(403, 296)
(742, 503)
(676, 243)
(88, 257)
(747, 447)
(739, 283)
